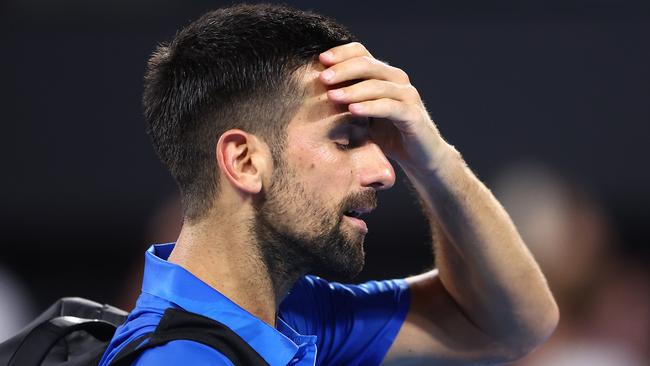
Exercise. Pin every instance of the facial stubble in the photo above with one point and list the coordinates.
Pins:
(297, 232)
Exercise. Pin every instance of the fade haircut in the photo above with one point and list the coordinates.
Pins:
(234, 67)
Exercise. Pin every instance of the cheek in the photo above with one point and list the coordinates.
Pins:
(324, 168)
(312, 157)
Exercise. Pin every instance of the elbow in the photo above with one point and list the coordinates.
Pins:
(547, 321)
(550, 320)
(531, 335)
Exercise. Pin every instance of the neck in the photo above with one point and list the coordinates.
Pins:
(228, 256)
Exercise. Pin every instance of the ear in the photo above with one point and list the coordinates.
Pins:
(242, 159)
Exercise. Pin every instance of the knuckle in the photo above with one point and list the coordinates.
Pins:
(388, 88)
(368, 60)
(401, 75)
(378, 86)
(404, 108)
(412, 91)
(400, 108)
(359, 47)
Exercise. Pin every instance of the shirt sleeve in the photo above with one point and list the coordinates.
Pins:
(355, 324)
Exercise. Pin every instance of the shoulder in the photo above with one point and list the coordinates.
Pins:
(181, 352)
(315, 288)
(354, 324)
(314, 304)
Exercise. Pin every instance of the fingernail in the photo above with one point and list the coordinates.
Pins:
(327, 75)
(355, 108)
(327, 54)
(336, 93)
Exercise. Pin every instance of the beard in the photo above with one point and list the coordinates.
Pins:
(297, 233)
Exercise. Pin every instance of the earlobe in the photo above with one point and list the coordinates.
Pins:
(237, 159)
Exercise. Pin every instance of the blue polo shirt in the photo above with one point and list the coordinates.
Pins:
(319, 323)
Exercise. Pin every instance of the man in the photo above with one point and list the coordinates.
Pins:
(277, 128)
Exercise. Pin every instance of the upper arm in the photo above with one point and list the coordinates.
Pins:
(436, 330)
(182, 352)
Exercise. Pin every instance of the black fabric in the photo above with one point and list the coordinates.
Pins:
(40, 341)
(177, 324)
(76, 332)
(71, 332)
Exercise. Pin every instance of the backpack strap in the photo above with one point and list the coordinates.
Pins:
(178, 324)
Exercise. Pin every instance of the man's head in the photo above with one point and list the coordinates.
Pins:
(329, 174)
(232, 68)
(237, 113)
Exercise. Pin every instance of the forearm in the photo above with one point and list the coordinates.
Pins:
(482, 261)
(484, 266)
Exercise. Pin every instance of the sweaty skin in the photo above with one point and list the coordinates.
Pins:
(487, 302)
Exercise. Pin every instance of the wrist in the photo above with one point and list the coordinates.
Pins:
(441, 156)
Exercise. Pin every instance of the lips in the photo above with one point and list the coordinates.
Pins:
(354, 217)
(358, 205)
(358, 223)
(357, 212)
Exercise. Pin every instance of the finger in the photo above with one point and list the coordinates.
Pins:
(374, 89)
(342, 53)
(382, 108)
(362, 67)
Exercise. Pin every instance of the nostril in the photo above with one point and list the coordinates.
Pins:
(381, 179)
(377, 171)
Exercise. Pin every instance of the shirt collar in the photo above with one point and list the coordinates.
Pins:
(178, 286)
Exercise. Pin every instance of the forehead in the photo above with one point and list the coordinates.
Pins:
(316, 110)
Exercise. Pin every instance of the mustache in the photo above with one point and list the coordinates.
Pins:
(366, 198)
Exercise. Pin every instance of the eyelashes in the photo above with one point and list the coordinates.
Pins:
(348, 136)
(349, 143)
(342, 146)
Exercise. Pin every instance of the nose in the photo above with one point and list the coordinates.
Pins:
(375, 170)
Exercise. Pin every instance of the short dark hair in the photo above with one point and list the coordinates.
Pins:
(234, 67)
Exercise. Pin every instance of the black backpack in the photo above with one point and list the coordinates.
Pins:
(75, 332)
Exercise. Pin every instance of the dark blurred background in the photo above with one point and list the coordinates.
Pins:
(549, 102)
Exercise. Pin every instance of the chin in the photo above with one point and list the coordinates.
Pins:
(343, 261)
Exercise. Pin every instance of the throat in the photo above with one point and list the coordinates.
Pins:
(236, 270)
(283, 262)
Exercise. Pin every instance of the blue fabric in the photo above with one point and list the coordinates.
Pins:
(319, 323)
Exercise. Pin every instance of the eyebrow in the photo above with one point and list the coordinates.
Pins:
(353, 121)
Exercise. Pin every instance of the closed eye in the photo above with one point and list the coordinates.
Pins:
(342, 146)
(351, 142)
(349, 134)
